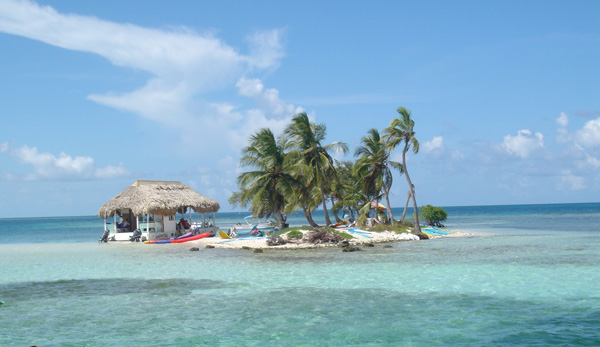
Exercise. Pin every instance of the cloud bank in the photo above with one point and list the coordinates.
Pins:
(183, 63)
(184, 66)
(525, 143)
(589, 135)
(47, 166)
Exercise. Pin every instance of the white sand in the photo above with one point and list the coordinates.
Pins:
(261, 242)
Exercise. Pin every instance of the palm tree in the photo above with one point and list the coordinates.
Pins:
(373, 166)
(305, 137)
(266, 187)
(348, 195)
(306, 198)
(401, 130)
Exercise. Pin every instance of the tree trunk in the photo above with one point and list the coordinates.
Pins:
(417, 224)
(411, 187)
(335, 210)
(327, 220)
(389, 208)
(309, 218)
(405, 206)
(280, 220)
(277, 210)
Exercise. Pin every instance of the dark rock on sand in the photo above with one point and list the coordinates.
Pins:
(276, 240)
(344, 243)
(351, 249)
(347, 247)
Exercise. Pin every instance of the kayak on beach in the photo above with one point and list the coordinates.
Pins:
(180, 240)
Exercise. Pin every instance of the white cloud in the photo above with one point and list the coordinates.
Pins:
(224, 126)
(571, 181)
(523, 144)
(562, 120)
(63, 166)
(434, 148)
(592, 161)
(563, 133)
(184, 63)
(3, 147)
(585, 159)
(267, 98)
(458, 155)
(436, 143)
(266, 50)
(589, 135)
(155, 101)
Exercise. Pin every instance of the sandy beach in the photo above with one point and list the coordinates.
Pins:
(360, 238)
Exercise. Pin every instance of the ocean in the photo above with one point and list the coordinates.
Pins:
(528, 276)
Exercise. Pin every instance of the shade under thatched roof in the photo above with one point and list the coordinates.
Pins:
(158, 197)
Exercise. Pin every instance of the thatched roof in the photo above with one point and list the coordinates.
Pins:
(158, 197)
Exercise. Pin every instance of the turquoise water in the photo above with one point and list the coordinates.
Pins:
(530, 276)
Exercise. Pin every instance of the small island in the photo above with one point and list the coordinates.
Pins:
(349, 239)
(297, 172)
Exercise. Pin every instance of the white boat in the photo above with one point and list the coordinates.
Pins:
(251, 223)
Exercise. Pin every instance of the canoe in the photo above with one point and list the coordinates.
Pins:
(184, 236)
(360, 233)
(192, 238)
(181, 239)
(169, 240)
(433, 231)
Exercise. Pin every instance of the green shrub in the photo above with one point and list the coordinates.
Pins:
(294, 234)
(433, 215)
(345, 235)
(287, 230)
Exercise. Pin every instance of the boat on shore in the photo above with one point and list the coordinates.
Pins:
(187, 238)
(251, 223)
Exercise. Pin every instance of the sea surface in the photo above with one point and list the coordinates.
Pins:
(529, 276)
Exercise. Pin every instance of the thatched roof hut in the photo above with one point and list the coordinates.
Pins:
(159, 198)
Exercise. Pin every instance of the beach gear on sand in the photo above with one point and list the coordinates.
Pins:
(434, 231)
(361, 233)
(223, 235)
(180, 240)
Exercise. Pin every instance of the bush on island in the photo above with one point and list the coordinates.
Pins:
(295, 235)
(432, 215)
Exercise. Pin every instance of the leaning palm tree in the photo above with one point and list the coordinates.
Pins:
(304, 138)
(266, 187)
(401, 130)
(373, 167)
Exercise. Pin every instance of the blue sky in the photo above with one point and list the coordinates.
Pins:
(95, 95)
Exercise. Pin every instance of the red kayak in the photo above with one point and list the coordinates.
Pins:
(181, 239)
(191, 238)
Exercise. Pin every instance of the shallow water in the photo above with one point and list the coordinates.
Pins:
(509, 285)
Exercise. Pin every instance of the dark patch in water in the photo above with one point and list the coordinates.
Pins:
(109, 286)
